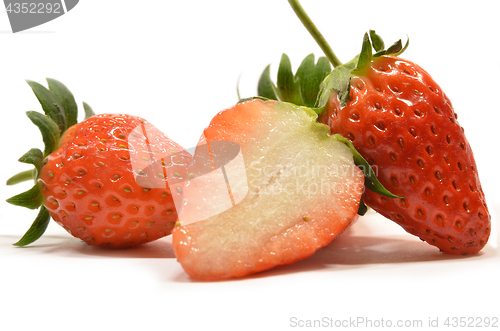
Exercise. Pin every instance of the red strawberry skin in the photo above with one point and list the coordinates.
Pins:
(89, 186)
(400, 120)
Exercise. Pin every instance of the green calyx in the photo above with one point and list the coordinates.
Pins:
(301, 88)
(339, 80)
(60, 113)
(372, 40)
(313, 83)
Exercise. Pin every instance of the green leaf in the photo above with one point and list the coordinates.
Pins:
(309, 76)
(35, 157)
(365, 57)
(288, 88)
(22, 177)
(31, 199)
(88, 111)
(48, 128)
(377, 42)
(266, 87)
(362, 208)
(371, 181)
(66, 100)
(302, 77)
(301, 89)
(339, 81)
(351, 65)
(37, 228)
(50, 104)
(396, 49)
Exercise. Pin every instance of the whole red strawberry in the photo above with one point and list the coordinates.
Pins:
(401, 121)
(87, 182)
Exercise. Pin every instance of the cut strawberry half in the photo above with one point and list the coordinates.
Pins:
(304, 189)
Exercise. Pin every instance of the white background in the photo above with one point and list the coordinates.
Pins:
(177, 63)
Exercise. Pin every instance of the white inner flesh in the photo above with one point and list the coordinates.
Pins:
(293, 170)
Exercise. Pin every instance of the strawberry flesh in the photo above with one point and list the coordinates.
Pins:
(303, 190)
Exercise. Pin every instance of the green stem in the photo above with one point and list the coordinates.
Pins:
(313, 30)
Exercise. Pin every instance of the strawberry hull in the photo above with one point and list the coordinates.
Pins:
(400, 120)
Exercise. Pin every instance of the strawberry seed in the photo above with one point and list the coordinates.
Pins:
(440, 219)
(466, 206)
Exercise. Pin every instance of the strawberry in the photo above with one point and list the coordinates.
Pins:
(400, 120)
(303, 191)
(86, 180)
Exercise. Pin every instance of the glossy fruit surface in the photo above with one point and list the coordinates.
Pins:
(401, 121)
(90, 188)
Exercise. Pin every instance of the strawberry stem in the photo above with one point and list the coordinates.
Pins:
(313, 30)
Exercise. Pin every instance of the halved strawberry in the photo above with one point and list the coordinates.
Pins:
(303, 190)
